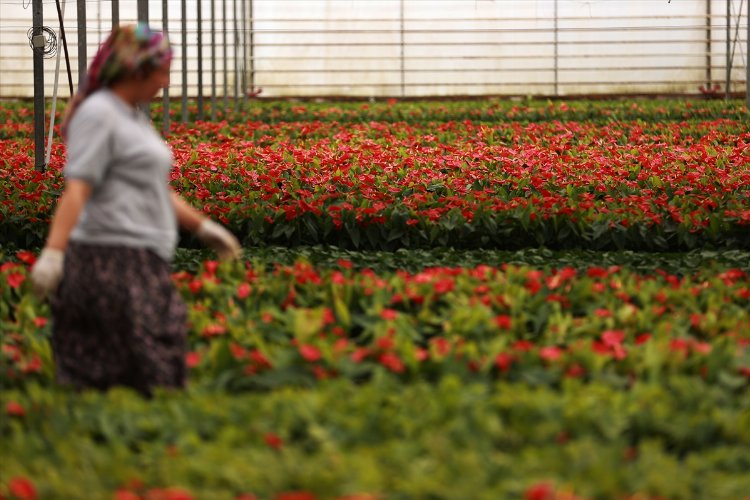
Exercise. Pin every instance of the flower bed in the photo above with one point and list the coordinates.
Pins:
(672, 186)
(490, 369)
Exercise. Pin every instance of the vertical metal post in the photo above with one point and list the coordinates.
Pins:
(38, 46)
(213, 61)
(224, 40)
(143, 18)
(236, 57)
(243, 82)
(402, 55)
(251, 50)
(183, 11)
(729, 56)
(115, 13)
(143, 11)
(747, 60)
(709, 77)
(200, 60)
(82, 57)
(557, 58)
(165, 92)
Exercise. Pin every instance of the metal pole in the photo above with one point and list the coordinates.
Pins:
(747, 60)
(243, 84)
(65, 48)
(38, 43)
(403, 65)
(165, 92)
(213, 61)
(709, 78)
(82, 57)
(143, 11)
(53, 109)
(557, 90)
(115, 13)
(251, 49)
(236, 57)
(729, 57)
(224, 39)
(200, 60)
(183, 9)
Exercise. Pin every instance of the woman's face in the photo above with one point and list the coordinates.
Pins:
(155, 81)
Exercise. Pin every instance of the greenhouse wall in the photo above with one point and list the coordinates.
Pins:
(403, 48)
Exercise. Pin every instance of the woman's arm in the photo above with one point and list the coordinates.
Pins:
(212, 234)
(48, 269)
(188, 217)
(69, 207)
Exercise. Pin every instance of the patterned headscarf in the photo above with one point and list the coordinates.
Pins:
(126, 51)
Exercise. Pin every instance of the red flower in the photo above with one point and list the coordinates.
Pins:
(345, 264)
(540, 491)
(192, 359)
(211, 266)
(443, 286)
(14, 409)
(575, 370)
(613, 337)
(503, 321)
(550, 353)
(40, 322)
(16, 279)
(22, 488)
(603, 313)
(642, 338)
(26, 257)
(273, 440)
(523, 345)
(391, 361)
(504, 361)
(310, 352)
(360, 354)
(388, 314)
(295, 495)
(213, 330)
(126, 495)
(195, 286)
(243, 290)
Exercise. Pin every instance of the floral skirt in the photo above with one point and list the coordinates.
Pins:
(118, 320)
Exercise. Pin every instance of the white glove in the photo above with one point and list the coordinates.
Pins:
(218, 238)
(47, 271)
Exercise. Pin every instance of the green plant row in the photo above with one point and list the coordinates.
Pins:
(415, 260)
(679, 438)
(488, 110)
(254, 327)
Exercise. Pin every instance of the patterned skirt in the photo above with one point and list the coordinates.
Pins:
(118, 320)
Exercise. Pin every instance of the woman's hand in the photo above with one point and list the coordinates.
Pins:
(219, 239)
(47, 271)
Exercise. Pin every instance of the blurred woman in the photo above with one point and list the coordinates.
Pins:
(117, 318)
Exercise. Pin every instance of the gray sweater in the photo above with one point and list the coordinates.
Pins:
(115, 148)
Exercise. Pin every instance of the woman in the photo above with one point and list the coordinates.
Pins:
(117, 318)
